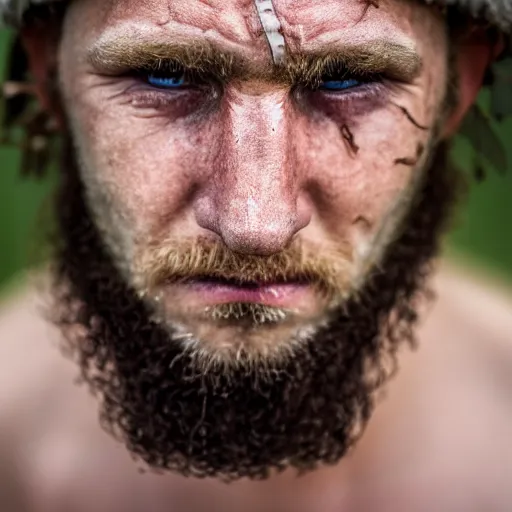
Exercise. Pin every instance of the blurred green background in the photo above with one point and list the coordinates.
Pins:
(483, 232)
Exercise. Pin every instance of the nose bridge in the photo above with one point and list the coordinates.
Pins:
(257, 140)
(256, 189)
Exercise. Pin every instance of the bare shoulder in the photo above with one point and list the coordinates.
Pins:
(479, 308)
(36, 381)
(444, 423)
(464, 380)
(468, 336)
(29, 369)
(30, 362)
(25, 354)
(48, 422)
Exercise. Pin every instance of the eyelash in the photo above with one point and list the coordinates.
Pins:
(154, 97)
(146, 96)
(192, 76)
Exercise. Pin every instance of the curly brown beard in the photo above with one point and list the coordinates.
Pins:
(252, 421)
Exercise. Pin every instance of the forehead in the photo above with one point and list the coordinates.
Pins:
(235, 24)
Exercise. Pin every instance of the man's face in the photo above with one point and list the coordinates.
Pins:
(189, 137)
(243, 239)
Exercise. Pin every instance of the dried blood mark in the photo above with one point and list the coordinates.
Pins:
(409, 116)
(411, 161)
(348, 137)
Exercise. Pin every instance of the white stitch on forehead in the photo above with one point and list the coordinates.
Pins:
(272, 28)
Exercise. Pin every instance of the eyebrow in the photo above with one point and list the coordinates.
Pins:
(122, 54)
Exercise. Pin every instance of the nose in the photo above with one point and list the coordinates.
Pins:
(252, 199)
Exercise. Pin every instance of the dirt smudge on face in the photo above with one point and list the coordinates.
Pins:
(349, 139)
(411, 161)
(410, 118)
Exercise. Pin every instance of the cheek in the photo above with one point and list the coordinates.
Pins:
(145, 167)
(362, 198)
(359, 186)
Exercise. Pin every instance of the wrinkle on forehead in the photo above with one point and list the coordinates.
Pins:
(233, 21)
(304, 24)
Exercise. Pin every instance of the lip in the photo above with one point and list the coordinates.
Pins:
(278, 294)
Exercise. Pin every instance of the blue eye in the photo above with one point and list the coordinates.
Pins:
(340, 85)
(166, 82)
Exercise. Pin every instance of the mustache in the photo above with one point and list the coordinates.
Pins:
(178, 261)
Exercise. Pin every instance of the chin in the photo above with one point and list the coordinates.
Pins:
(238, 334)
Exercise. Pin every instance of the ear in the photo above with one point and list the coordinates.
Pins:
(475, 52)
(41, 42)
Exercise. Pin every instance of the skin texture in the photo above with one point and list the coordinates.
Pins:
(258, 164)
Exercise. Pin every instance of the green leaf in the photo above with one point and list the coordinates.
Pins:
(501, 89)
(503, 68)
(478, 128)
(501, 100)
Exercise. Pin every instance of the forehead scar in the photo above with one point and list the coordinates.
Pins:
(272, 27)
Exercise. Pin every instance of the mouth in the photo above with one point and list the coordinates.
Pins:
(196, 300)
(276, 293)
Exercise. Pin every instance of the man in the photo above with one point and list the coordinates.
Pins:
(251, 200)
